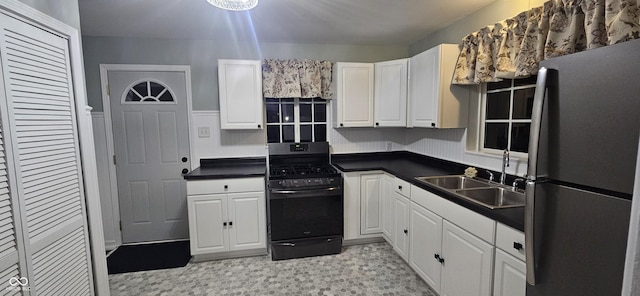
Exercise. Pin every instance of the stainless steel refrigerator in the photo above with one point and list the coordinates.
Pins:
(582, 152)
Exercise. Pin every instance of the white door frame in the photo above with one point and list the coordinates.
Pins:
(106, 107)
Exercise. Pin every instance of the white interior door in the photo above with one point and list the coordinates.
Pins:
(151, 144)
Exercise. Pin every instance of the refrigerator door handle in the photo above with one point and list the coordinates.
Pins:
(536, 123)
(532, 174)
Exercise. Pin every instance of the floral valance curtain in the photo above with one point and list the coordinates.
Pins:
(296, 79)
(512, 48)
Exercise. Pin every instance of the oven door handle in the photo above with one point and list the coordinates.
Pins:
(311, 191)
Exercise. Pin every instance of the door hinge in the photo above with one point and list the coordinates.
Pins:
(120, 225)
(114, 159)
(108, 90)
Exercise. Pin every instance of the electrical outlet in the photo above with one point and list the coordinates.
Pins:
(204, 132)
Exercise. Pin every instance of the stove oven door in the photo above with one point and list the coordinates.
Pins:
(306, 213)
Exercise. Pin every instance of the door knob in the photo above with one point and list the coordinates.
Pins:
(184, 171)
(184, 159)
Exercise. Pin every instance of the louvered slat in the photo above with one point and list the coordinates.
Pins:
(39, 99)
(27, 67)
(8, 246)
(7, 273)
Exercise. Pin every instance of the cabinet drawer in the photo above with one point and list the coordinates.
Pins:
(403, 187)
(225, 185)
(510, 240)
(464, 218)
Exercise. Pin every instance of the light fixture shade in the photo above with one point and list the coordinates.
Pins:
(236, 5)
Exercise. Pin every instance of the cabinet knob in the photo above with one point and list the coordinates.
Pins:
(399, 187)
(230, 223)
(259, 126)
(341, 124)
(433, 124)
(406, 231)
(224, 223)
(226, 187)
(184, 159)
(517, 246)
(377, 124)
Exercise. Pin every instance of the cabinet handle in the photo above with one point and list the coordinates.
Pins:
(259, 126)
(224, 223)
(184, 159)
(441, 260)
(399, 187)
(230, 223)
(433, 124)
(226, 187)
(184, 171)
(517, 246)
(406, 231)
(438, 258)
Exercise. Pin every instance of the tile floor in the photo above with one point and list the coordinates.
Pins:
(372, 269)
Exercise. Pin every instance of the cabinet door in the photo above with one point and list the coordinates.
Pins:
(424, 88)
(370, 204)
(240, 90)
(509, 277)
(247, 222)
(388, 213)
(401, 240)
(390, 96)
(207, 213)
(425, 243)
(467, 263)
(354, 94)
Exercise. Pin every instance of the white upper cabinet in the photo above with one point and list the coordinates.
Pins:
(433, 101)
(240, 89)
(390, 97)
(353, 105)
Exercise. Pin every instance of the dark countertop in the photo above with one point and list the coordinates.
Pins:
(407, 165)
(225, 168)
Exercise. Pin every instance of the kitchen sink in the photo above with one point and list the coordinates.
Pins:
(453, 182)
(494, 197)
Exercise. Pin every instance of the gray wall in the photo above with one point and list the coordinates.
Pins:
(202, 56)
(490, 14)
(66, 11)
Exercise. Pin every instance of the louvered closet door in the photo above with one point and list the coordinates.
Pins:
(9, 263)
(44, 141)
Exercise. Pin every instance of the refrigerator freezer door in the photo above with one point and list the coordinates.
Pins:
(583, 237)
(593, 123)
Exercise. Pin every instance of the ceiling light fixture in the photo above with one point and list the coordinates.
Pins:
(236, 5)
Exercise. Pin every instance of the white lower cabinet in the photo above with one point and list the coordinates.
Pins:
(371, 203)
(509, 277)
(466, 263)
(451, 260)
(510, 271)
(401, 237)
(388, 212)
(228, 219)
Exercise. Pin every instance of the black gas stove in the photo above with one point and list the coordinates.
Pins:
(305, 201)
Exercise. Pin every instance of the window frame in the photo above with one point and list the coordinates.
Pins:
(296, 114)
(510, 120)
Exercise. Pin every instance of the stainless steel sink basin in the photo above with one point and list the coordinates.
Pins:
(453, 182)
(494, 197)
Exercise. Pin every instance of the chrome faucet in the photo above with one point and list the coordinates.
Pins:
(514, 185)
(505, 164)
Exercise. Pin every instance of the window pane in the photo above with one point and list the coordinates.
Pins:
(499, 85)
(155, 89)
(320, 112)
(141, 88)
(520, 137)
(523, 103)
(287, 100)
(320, 131)
(272, 100)
(305, 112)
(305, 133)
(495, 135)
(273, 114)
(288, 135)
(525, 81)
(287, 113)
(498, 105)
(166, 97)
(273, 134)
